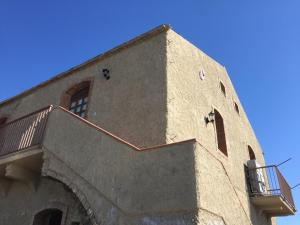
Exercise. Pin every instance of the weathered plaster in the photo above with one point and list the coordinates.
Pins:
(20, 205)
(154, 96)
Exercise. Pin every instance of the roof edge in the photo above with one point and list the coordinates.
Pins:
(153, 32)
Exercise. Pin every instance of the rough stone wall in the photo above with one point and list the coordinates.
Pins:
(22, 203)
(116, 183)
(190, 99)
(131, 104)
(154, 96)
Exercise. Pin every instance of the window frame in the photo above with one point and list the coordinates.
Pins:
(73, 89)
(80, 101)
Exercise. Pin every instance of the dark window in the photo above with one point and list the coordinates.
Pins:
(251, 153)
(221, 137)
(2, 120)
(247, 176)
(75, 223)
(223, 88)
(79, 102)
(236, 107)
(48, 217)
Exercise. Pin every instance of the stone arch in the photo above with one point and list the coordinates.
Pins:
(76, 191)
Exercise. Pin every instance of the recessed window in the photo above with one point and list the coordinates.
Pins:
(79, 102)
(222, 86)
(236, 107)
(76, 98)
(251, 153)
(220, 130)
(75, 223)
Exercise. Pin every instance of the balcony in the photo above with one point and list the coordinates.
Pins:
(270, 192)
(20, 149)
(23, 133)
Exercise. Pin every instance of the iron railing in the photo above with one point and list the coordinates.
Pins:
(268, 181)
(24, 132)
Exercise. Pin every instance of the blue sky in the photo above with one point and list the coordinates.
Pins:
(258, 42)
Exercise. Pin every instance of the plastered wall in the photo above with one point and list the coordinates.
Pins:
(22, 203)
(154, 96)
(190, 99)
(118, 184)
(131, 104)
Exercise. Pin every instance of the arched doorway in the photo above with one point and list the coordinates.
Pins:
(48, 217)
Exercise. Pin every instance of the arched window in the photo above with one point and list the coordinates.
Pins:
(76, 99)
(48, 217)
(79, 102)
(236, 107)
(220, 129)
(222, 86)
(251, 153)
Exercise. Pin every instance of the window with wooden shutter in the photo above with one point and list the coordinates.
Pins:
(220, 130)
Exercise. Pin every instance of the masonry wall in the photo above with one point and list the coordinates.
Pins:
(131, 104)
(22, 203)
(154, 96)
(116, 183)
(190, 99)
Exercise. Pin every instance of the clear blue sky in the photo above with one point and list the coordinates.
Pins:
(258, 42)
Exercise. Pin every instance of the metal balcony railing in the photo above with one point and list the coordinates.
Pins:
(268, 181)
(24, 132)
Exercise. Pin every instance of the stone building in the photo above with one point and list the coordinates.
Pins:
(149, 133)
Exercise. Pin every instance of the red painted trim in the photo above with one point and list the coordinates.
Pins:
(168, 145)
